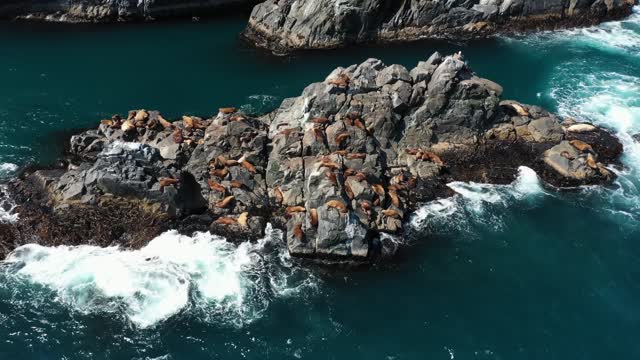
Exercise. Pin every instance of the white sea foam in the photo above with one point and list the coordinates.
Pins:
(7, 169)
(203, 273)
(7, 207)
(472, 199)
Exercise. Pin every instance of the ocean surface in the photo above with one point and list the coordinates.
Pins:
(520, 271)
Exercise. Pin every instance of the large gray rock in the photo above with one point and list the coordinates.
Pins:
(283, 25)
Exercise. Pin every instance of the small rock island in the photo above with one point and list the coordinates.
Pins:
(340, 168)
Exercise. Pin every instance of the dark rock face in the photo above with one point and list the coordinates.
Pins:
(112, 10)
(340, 167)
(284, 25)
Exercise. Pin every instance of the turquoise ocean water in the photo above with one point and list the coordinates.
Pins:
(499, 272)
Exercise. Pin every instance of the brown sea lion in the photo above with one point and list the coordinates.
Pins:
(313, 214)
(227, 110)
(329, 164)
(348, 191)
(141, 116)
(378, 189)
(106, 122)
(566, 155)
(341, 152)
(337, 204)
(278, 195)
(429, 156)
(226, 221)
(297, 232)
(247, 165)
(225, 202)
(235, 184)
(216, 186)
(412, 182)
(411, 151)
(295, 209)
(353, 156)
(127, 126)
(581, 145)
(318, 134)
(349, 172)
(395, 200)
(366, 206)
(287, 132)
(391, 213)
(331, 176)
(168, 181)
(341, 138)
(237, 118)
(591, 162)
(360, 125)
(164, 122)
(177, 136)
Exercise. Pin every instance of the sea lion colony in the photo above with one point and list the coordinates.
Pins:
(339, 168)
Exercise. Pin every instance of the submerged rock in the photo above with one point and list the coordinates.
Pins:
(283, 25)
(339, 168)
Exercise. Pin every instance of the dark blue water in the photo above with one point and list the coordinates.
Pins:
(498, 272)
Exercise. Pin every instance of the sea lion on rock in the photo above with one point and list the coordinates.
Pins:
(226, 221)
(238, 117)
(313, 214)
(318, 134)
(221, 173)
(341, 81)
(341, 138)
(340, 152)
(177, 136)
(329, 164)
(164, 122)
(365, 205)
(141, 116)
(247, 165)
(331, 176)
(227, 110)
(429, 156)
(337, 204)
(297, 232)
(167, 181)
(395, 201)
(235, 184)
(348, 191)
(243, 218)
(295, 209)
(216, 186)
(378, 189)
(320, 120)
(581, 145)
(278, 195)
(349, 172)
(581, 128)
(127, 126)
(225, 202)
(392, 213)
(353, 156)
(591, 162)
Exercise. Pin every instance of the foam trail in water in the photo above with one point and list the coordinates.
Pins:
(7, 207)
(219, 280)
(473, 198)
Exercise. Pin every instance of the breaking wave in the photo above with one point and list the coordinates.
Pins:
(7, 207)
(202, 274)
(475, 202)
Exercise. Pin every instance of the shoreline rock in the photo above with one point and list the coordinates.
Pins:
(339, 168)
(99, 11)
(283, 26)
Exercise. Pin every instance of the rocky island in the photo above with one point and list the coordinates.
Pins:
(340, 168)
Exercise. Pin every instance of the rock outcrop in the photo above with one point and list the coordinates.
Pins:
(340, 167)
(112, 10)
(284, 25)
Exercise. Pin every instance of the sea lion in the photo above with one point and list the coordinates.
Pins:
(348, 191)
(341, 81)
(313, 214)
(106, 122)
(141, 116)
(378, 189)
(297, 232)
(366, 206)
(287, 132)
(412, 182)
(221, 173)
(341, 138)
(227, 110)
(337, 204)
(237, 118)
(353, 156)
(411, 151)
(361, 177)
(581, 128)
(189, 122)
(331, 176)
(235, 184)
(131, 115)
(177, 136)
(341, 152)
(360, 125)
(581, 145)
(167, 181)
(152, 124)
(225, 202)
(318, 134)
(226, 221)
(429, 156)
(295, 209)
(278, 195)
(398, 179)
(243, 218)
(164, 122)
(566, 155)
(591, 162)
(127, 126)
(604, 172)
(519, 109)
(349, 172)
(247, 165)
(395, 200)
(329, 164)
(391, 213)
(215, 186)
